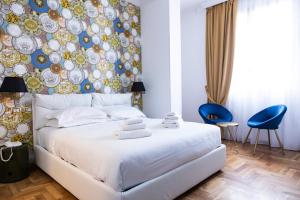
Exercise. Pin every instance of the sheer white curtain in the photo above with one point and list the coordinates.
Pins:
(267, 66)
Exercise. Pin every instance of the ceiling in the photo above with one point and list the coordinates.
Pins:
(186, 3)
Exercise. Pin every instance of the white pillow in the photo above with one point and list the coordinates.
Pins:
(101, 100)
(78, 122)
(61, 101)
(76, 113)
(40, 116)
(123, 112)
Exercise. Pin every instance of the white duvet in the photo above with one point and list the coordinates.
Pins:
(123, 164)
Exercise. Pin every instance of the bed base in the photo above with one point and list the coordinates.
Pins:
(165, 187)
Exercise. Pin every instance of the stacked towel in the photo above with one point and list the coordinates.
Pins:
(172, 120)
(133, 128)
(123, 135)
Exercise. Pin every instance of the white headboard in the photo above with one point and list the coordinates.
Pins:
(44, 104)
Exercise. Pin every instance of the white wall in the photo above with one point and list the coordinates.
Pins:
(175, 56)
(166, 90)
(193, 62)
(155, 57)
(161, 56)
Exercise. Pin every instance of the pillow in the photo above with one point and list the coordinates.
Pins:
(40, 116)
(60, 101)
(76, 113)
(123, 112)
(101, 100)
(78, 122)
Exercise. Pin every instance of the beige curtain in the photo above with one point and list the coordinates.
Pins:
(220, 36)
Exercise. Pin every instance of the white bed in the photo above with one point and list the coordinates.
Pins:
(92, 163)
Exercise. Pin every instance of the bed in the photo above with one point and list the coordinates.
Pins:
(92, 163)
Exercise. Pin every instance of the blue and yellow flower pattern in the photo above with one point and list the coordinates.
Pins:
(67, 46)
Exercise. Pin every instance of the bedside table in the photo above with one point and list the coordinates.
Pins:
(17, 168)
(228, 125)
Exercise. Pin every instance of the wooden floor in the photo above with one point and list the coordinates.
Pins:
(267, 175)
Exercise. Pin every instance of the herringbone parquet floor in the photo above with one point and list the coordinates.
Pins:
(267, 175)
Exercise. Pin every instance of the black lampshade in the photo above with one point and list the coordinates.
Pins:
(138, 87)
(13, 84)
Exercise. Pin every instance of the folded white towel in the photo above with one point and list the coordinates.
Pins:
(133, 121)
(170, 114)
(171, 125)
(133, 127)
(123, 135)
(172, 118)
(172, 121)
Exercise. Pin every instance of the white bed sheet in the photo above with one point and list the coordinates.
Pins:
(123, 164)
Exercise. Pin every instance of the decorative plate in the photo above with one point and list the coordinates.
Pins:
(14, 30)
(66, 13)
(76, 76)
(95, 28)
(124, 40)
(50, 79)
(22, 128)
(107, 31)
(54, 44)
(74, 26)
(106, 46)
(92, 57)
(24, 44)
(69, 65)
(20, 69)
(91, 9)
(3, 132)
(96, 39)
(97, 74)
(107, 90)
(53, 4)
(111, 56)
(39, 42)
(55, 57)
(17, 9)
(125, 80)
(109, 74)
(71, 47)
(97, 85)
(49, 25)
(104, 3)
(110, 13)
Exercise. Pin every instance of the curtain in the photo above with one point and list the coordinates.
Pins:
(220, 35)
(267, 66)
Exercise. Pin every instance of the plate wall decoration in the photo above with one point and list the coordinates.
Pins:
(67, 46)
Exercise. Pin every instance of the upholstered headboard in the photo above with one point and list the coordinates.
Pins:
(45, 104)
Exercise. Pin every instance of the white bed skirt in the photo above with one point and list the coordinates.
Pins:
(166, 187)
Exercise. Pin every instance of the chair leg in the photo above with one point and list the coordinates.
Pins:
(269, 139)
(247, 136)
(231, 135)
(278, 139)
(257, 139)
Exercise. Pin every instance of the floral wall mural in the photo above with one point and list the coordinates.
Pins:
(66, 46)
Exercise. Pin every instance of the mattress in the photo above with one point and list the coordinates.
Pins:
(123, 164)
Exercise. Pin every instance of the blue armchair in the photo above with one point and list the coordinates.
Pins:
(269, 119)
(214, 113)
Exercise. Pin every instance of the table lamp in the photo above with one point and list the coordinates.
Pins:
(13, 84)
(138, 87)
